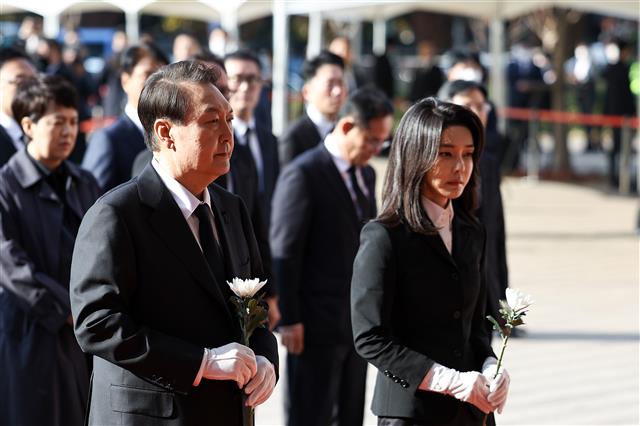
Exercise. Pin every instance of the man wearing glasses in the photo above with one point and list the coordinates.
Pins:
(245, 83)
(322, 199)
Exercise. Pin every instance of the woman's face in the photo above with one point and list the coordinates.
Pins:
(53, 136)
(451, 172)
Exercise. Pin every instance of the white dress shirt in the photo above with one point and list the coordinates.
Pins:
(13, 130)
(441, 219)
(240, 128)
(132, 113)
(323, 124)
(343, 166)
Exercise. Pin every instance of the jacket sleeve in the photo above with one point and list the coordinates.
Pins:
(103, 282)
(44, 296)
(262, 341)
(99, 159)
(480, 339)
(290, 219)
(372, 300)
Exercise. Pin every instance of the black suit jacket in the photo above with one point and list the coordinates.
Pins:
(244, 179)
(270, 169)
(413, 303)
(314, 238)
(146, 305)
(7, 149)
(300, 136)
(111, 151)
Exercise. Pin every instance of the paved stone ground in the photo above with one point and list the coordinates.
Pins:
(573, 248)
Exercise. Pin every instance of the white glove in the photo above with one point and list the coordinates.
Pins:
(498, 387)
(261, 386)
(470, 386)
(230, 362)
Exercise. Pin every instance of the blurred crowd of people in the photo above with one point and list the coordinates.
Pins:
(308, 194)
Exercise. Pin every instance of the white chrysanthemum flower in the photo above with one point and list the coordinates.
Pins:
(518, 301)
(246, 288)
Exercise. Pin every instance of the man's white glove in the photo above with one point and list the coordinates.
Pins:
(470, 386)
(229, 362)
(261, 385)
(498, 387)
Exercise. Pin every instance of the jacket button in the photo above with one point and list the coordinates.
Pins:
(454, 276)
(396, 380)
(404, 384)
(456, 315)
(457, 353)
(387, 373)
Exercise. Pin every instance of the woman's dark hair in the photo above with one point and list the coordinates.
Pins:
(34, 96)
(164, 94)
(414, 151)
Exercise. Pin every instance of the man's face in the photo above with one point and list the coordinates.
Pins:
(326, 90)
(12, 73)
(362, 144)
(133, 83)
(475, 101)
(245, 84)
(204, 142)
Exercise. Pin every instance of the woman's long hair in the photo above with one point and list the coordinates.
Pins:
(414, 151)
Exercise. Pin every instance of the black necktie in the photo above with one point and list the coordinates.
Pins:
(362, 202)
(210, 247)
(247, 137)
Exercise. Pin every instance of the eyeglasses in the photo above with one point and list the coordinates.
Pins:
(251, 80)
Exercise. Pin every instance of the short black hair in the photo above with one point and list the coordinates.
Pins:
(245, 55)
(460, 86)
(310, 66)
(366, 104)
(209, 57)
(34, 96)
(11, 54)
(137, 52)
(164, 95)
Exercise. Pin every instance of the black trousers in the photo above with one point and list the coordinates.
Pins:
(463, 417)
(326, 386)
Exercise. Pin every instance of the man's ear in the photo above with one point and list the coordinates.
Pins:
(305, 91)
(27, 126)
(124, 79)
(162, 129)
(345, 124)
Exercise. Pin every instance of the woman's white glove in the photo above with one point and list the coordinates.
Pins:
(498, 386)
(470, 386)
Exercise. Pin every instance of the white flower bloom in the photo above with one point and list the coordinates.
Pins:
(518, 301)
(246, 288)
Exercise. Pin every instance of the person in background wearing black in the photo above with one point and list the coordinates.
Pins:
(43, 198)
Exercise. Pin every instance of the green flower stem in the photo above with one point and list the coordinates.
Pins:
(505, 339)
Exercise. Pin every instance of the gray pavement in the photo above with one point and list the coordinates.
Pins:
(575, 250)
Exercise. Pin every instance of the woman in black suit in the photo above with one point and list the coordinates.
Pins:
(44, 376)
(418, 294)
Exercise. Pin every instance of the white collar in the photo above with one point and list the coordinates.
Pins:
(323, 124)
(440, 217)
(331, 144)
(241, 126)
(186, 201)
(11, 126)
(132, 113)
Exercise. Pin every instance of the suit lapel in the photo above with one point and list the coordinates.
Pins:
(226, 235)
(171, 227)
(461, 237)
(335, 181)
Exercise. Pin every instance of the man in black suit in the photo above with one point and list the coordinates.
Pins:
(321, 201)
(324, 92)
(149, 298)
(15, 66)
(244, 74)
(111, 151)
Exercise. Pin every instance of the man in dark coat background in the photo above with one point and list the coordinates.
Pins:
(149, 297)
(324, 92)
(322, 199)
(111, 151)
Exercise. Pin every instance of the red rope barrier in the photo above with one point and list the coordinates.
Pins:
(565, 117)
